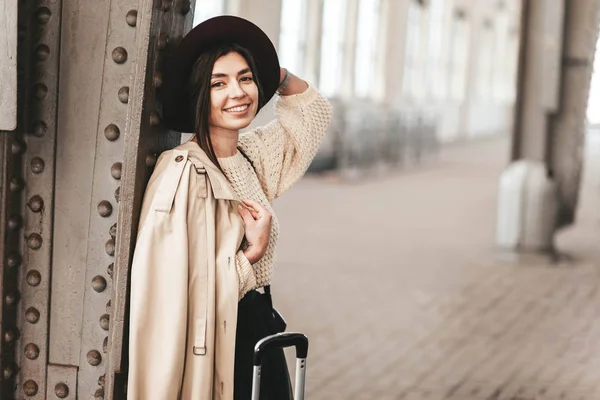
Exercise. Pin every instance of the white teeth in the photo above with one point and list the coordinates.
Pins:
(237, 109)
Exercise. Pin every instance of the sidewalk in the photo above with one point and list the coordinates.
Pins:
(396, 284)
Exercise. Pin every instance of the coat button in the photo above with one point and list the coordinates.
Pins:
(179, 158)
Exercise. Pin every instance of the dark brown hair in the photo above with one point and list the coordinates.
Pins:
(200, 91)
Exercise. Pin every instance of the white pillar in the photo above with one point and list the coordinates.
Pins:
(390, 63)
(347, 87)
(475, 23)
(312, 55)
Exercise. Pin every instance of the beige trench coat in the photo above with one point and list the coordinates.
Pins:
(184, 284)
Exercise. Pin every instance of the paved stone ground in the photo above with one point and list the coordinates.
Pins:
(396, 282)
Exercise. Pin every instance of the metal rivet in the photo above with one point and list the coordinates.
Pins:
(104, 321)
(131, 18)
(113, 231)
(99, 394)
(32, 351)
(10, 335)
(178, 158)
(118, 194)
(61, 390)
(43, 15)
(110, 269)
(36, 204)
(166, 5)
(124, 95)
(13, 260)
(30, 388)
(157, 79)
(16, 184)
(115, 170)
(105, 209)
(11, 299)
(154, 118)
(105, 345)
(185, 7)
(94, 358)
(42, 52)
(99, 283)
(102, 380)
(34, 277)
(119, 55)
(37, 165)
(15, 222)
(110, 247)
(162, 42)
(18, 147)
(40, 129)
(112, 132)
(40, 91)
(8, 372)
(32, 315)
(150, 160)
(34, 241)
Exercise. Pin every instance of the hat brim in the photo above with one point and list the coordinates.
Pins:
(177, 112)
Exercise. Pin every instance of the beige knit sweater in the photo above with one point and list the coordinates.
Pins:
(281, 152)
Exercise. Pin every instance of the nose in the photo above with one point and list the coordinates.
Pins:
(236, 90)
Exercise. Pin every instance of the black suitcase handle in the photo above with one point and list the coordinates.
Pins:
(277, 341)
(281, 340)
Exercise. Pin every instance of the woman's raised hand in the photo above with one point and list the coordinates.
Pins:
(257, 220)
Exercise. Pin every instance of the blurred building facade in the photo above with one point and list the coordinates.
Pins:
(407, 72)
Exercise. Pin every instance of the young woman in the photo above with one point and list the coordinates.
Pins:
(207, 232)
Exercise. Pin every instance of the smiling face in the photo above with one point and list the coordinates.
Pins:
(233, 94)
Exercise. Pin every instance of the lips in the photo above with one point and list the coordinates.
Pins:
(241, 108)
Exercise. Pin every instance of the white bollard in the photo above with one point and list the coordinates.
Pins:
(527, 208)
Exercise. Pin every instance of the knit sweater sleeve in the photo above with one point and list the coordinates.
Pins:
(245, 272)
(282, 150)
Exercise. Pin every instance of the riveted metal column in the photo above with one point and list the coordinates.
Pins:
(160, 25)
(83, 41)
(11, 219)
(28, 171)
(119, 59)
(38, 171)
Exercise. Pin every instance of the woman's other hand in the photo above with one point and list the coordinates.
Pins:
(295, 86)
(257, 220)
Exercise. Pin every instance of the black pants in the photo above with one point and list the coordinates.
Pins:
(275, 378)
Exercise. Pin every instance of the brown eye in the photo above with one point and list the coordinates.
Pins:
(217, 84)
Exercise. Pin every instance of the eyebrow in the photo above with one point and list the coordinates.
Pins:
(221, 75)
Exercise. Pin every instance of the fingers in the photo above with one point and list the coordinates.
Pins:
(253, 204)
(246, 215)
(258, 209)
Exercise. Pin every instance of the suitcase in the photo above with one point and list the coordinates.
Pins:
(282, 340)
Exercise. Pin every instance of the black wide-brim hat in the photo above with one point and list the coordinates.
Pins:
(177, 110)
